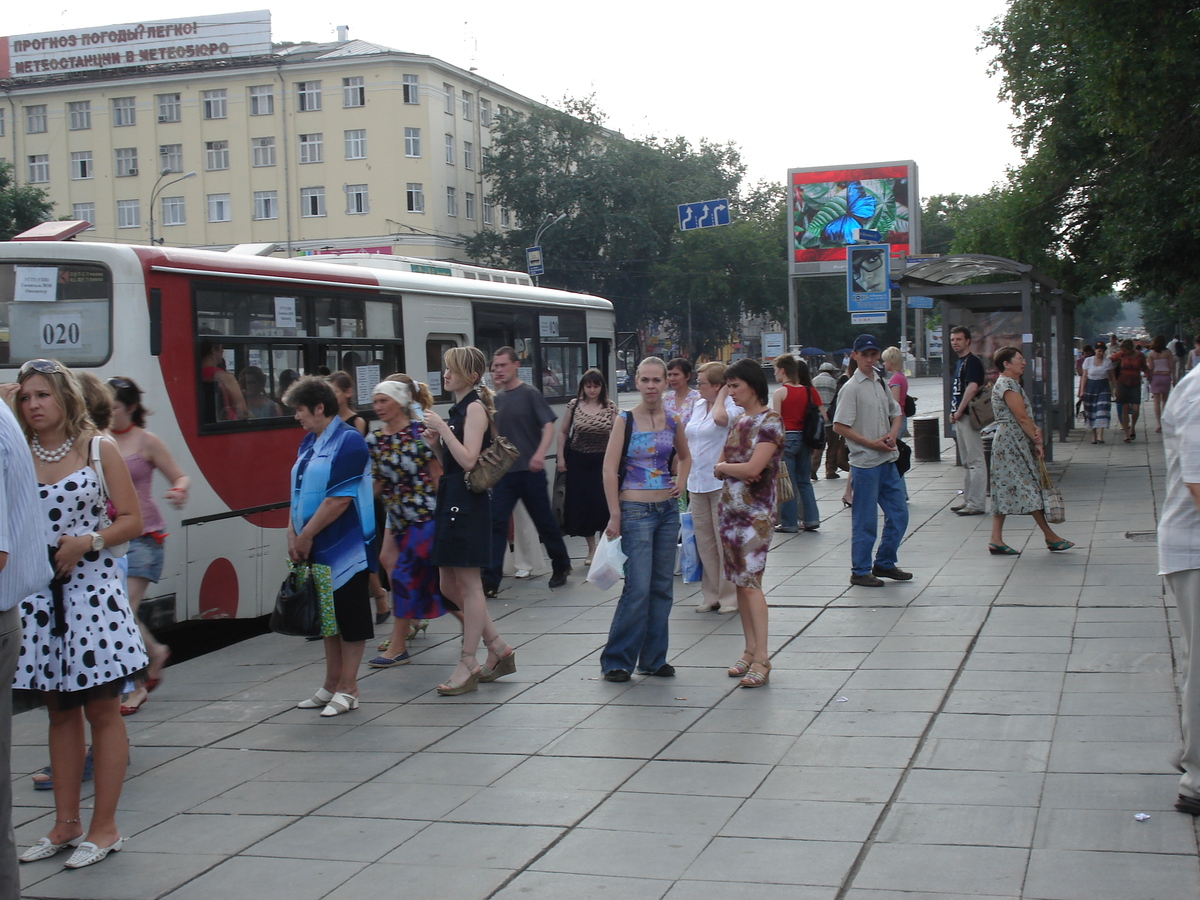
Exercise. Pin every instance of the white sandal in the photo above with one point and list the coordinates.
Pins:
(89, 854)
(340, 703)
(316, 701)
(44, 849)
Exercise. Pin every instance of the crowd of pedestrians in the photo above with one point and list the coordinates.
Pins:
(385, 513)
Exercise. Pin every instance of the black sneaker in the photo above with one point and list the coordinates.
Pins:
(558, 579)
(1189, 805)
(866, 580)
(893, 573)
(616, 675)
(666, 670)
(491, 591)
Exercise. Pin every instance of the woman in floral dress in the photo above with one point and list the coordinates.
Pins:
(401, 466)
(1016, 488)
(749, 465)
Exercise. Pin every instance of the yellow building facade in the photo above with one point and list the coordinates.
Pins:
(333, 146)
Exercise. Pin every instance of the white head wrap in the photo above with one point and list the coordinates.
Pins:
(397, 390)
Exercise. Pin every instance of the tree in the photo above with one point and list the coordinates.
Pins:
(21, 206)
(619, 195)
(1109, 189)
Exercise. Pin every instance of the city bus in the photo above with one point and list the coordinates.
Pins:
(168, 317)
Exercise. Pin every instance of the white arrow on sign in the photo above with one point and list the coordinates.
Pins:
(717, 211)
(704, 216)
(686, 219)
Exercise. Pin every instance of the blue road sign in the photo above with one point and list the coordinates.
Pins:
(868, 318)
(533, 261)
(920, 303)
(705, 214)
(868, 236)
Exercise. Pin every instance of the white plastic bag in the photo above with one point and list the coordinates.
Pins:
(608, 563)
(689, 554)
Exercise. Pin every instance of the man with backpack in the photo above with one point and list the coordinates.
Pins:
(968, 381)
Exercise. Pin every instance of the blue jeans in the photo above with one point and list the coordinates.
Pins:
(638, 635)
(532, 489)
(798, 458)
(880, 486)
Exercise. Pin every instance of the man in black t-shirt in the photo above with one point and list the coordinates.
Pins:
(525, 418)
(968, 379)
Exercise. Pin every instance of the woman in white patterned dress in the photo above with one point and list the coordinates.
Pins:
(1016, 489)
(80, 641)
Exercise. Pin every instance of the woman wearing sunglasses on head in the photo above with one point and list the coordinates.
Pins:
(80, 641)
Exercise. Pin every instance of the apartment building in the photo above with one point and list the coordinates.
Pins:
(347, 144)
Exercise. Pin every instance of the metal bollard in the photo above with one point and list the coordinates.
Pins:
(926, 445)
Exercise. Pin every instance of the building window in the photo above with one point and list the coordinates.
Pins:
(485, 112)
(356, 143)
(84, 212)
(354, 92)
(504, 216)
(467, 101)
(216, 155)
(1, 122)
(416, 198)
(218, 208)
(126, 161)
(412, 142)
(451, 202)
(168, 108)
(170, 158)
(485, 154)
(487, 211)
(262, 100)
(308, 96)
(129, 214)
(311, 147)
(469, 206)
(312, 202)
(81, 165)
(80, 115)
(468, 155)
(449, 149)
(174, 212)
(262, 151)
(214, 104)
(356, 200)
(39, 168)
(503, 112)
(35, 119)
(448, 90)
(266, 205)
(124, 111)
(412, 89)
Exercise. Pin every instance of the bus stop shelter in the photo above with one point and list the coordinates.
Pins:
(1006, 304)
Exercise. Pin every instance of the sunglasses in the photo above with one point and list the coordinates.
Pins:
(43, 367)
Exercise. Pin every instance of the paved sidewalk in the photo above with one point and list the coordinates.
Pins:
(988, 730)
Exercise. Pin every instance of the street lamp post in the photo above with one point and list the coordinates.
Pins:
(550, 221)
(156, 190)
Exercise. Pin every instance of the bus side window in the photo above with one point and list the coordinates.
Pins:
(221, 397)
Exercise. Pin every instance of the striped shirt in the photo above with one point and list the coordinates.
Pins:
(27, 567)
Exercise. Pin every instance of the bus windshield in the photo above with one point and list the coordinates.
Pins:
(57, 309)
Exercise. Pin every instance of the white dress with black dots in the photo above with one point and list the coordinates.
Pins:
(88, 639)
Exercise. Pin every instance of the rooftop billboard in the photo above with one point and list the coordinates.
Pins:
(828, 206)
(136, 44)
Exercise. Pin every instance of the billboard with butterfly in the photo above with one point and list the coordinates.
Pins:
(829, 205)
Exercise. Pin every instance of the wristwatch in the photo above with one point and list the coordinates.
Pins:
(97, 541)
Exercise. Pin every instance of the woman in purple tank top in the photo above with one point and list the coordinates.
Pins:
(144, 452)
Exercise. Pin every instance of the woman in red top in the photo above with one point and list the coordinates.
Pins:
(1130, 367)
(791, 401)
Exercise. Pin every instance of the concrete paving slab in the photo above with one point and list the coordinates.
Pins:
(959, 824)
(1090, 875)
(530, 885)
(959, 870)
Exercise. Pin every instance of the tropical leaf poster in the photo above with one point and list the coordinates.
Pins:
(826, 212)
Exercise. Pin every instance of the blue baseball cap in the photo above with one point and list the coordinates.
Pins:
(866, 342)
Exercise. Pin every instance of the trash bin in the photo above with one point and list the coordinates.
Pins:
(926, 444)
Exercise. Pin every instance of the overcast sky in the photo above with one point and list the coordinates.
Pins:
(817, 84)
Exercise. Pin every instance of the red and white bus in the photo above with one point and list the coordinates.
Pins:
(153, 314)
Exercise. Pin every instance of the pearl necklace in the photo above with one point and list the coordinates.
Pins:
(51, 456)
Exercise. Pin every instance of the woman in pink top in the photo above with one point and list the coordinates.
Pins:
(143, 453)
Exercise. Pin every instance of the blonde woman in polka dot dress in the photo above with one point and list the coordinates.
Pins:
(80, 641)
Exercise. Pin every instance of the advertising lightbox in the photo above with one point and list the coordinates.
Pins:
(829, 206)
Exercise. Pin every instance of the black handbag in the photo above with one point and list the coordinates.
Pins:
(297, 605)
(904, 463)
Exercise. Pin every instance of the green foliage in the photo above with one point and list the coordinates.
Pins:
(621, 230)
(1098, 315)
(21, 206)
(1109, 190)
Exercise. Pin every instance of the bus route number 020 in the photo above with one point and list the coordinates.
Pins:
(61, 332)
